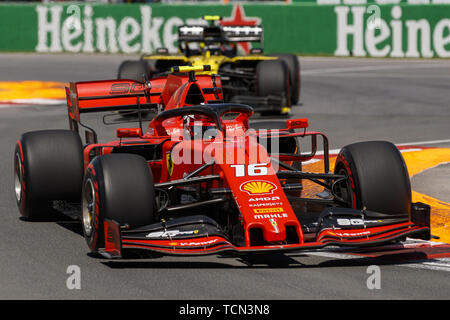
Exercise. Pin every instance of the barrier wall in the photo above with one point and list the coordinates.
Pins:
(400, 30)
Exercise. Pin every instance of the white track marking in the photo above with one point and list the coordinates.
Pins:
(410, 150)
(30, 102)
(420, 143)
(441, 264)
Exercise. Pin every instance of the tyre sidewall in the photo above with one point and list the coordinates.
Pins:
(293, 66)
(95, 239)
(133, 70)
(378, 177)
(52, 169)
(119, 197)
(272, 78)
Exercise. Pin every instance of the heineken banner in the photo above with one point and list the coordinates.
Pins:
(365, 28)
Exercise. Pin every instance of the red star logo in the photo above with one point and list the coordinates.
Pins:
(238, 18)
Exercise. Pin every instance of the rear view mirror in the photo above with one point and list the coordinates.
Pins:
(129, 132)
(297, 123)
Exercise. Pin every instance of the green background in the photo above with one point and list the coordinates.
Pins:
(301, 28)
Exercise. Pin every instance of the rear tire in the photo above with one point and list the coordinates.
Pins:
(293, 65)
(118, 187)
(379, 179)
(272, 78)
(133, 70)
(48, 165)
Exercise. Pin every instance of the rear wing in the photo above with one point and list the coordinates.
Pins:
(199, 33)
(110, 95)
(243, 33)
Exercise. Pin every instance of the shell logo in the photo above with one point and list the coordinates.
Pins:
(258, 187)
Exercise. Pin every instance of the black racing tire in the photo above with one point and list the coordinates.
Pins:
(272, 78)
(118, 187)
(378, 177)
(48, 165)
(133, 70)
(293, 65)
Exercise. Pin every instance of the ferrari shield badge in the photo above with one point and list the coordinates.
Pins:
(169, 163)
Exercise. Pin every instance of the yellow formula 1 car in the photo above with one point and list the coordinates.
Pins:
(270, 84)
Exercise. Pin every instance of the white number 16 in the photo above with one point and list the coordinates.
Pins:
(254, 169)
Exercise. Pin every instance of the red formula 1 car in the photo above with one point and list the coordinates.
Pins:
(200, 181)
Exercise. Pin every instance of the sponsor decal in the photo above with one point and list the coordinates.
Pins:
(198, 243)
(125, 88)
(258, 187)
(270, 215)
(265, 204)
(86, 32)
(390, 34)
(170, 233)
(267, 210)
(82, 29)
(376, 28)
(350, 222)
(355, 222)
(264, 199)
(354, 234)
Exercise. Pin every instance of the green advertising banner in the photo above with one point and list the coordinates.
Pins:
(399, 30)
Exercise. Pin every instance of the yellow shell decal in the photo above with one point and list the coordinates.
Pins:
(258, 187)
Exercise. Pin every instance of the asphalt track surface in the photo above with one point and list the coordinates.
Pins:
(349, 99)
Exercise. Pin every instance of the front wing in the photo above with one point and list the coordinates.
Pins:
(204, 239)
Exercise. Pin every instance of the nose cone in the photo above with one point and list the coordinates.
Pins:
(274, 231)
(272, 228)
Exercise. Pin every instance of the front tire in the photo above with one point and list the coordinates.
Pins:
(118, 187)
(378, 177)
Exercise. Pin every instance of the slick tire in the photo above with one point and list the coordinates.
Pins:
(378, 177)
(272, 78)
(118, 187)
(293, 65)
(48, 165)
(133, 70)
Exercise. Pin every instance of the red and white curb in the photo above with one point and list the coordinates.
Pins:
(31, 102)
